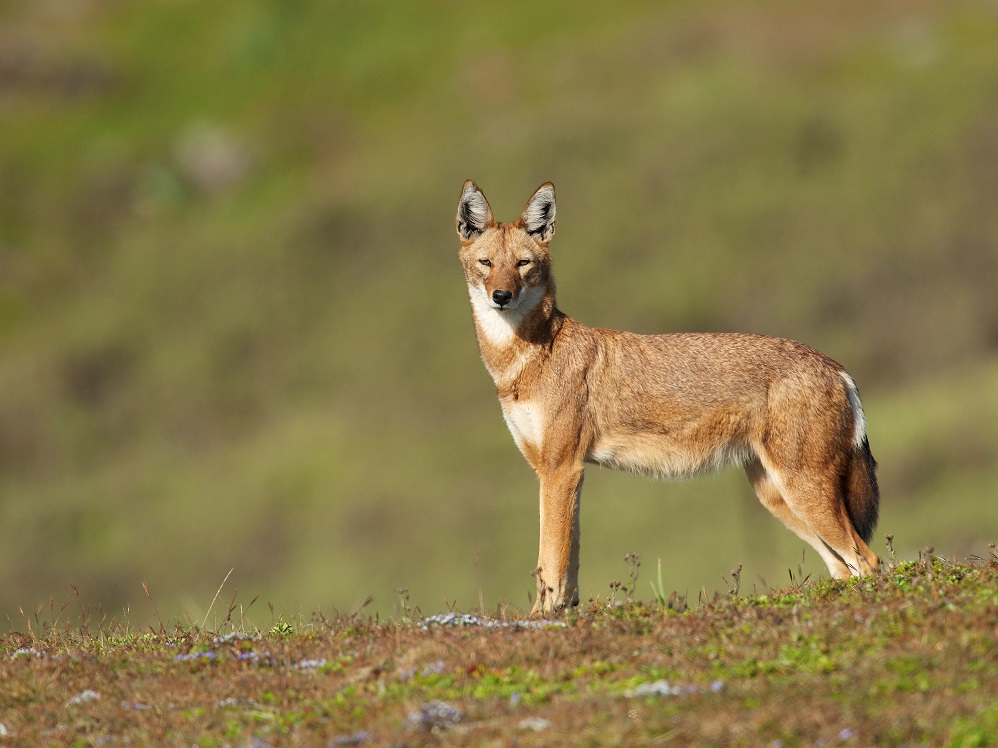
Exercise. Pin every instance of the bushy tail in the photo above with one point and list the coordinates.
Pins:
(862, 493)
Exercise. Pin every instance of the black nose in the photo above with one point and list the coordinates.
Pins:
(502, 298)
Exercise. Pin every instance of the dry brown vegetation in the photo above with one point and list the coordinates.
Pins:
(906, 657)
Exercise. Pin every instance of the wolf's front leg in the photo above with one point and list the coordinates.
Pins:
(557, 570)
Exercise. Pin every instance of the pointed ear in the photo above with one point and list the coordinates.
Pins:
(539, 214)
(473, 213)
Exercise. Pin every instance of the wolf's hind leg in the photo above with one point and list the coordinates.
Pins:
(771, 498)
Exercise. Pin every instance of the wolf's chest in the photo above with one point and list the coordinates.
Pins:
(526, 423)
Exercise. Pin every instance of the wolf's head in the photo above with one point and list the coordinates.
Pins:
(507, 265)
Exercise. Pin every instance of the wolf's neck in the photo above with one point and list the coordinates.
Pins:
(510, 339)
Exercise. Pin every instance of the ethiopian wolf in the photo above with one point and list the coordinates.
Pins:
(667, 406)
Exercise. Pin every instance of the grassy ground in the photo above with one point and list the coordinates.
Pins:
(903, 658)
(234, 332)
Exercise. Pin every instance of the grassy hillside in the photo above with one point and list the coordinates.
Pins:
(234, 333)
(906, 658)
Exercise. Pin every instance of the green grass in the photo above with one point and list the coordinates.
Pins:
(899, 658)
(274, 371)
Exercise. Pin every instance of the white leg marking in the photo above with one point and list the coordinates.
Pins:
(525, 423)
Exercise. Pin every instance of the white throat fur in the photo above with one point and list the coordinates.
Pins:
(499, 324)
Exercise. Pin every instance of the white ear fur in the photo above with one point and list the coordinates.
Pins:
(539, 214)
(473, 212)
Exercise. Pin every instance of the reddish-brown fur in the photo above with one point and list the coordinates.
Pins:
(665, 405)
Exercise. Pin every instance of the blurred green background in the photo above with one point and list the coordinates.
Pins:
(234, 332)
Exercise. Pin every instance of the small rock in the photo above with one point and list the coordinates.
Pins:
(135, 706)
(537, 724)
(232, 701)
(83, 698)
(658, 688)
(311, 664)
(355, 739)
(194, 656)
(256, 742)
(434, 668)
(435, 715)
(4, 732)
(466, 619)
(235, 636)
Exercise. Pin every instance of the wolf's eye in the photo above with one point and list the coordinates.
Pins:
(486, 263)
(522, 263)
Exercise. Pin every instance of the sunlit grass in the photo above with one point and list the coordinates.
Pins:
(898, 658)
